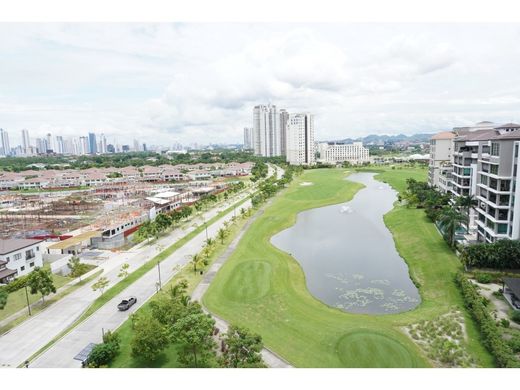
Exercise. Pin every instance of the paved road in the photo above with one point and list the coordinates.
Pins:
(269, 357)
(61, 354)
(27, 338)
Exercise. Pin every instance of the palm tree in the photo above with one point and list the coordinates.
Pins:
(210, 242)
(467, 203)
(221, 234)
(450, 220)
(195, 260)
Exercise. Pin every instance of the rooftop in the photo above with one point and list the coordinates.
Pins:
(13, 244)
(74, 240)
(444, 135)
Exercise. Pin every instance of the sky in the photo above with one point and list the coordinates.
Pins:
(198, 82)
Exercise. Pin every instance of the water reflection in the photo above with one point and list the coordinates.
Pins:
(348, 255)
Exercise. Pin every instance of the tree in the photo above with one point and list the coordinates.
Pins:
(195, 261)
(123, 272)
(102, 354)
(3, 297)
(221, 234)
(467, 203)
(100, 285)
(451, 219)
(77, 268)
(194, 332)
(150, 337)
(242, 348)
(40, 281)
(242, 212)
(162, 221)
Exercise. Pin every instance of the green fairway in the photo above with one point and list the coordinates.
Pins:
(264, 288)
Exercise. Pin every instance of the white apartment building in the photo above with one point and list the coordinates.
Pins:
(284, 122)
(334, 153)
(20, 255)
(248, 138)
(300, 139)
(440, 166)
(5, 149)
(266, 131)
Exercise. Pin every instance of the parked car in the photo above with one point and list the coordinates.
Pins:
(126, 303)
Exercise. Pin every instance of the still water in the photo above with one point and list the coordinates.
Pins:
(348, 254)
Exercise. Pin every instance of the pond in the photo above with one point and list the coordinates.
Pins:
(348, 255)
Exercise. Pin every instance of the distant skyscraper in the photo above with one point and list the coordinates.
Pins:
(136, 145)
(50, 143)
(284, 122)
(59, 145)
(267, 135)
(26, 141)
(5, 149)
(300, 139)
(41, 145)
(92, 146)
(248, 138)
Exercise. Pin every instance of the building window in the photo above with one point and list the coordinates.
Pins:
(18, 256)
(493, 169)
(29, 254)
(22, 268)
(31, 264)
(495, 148)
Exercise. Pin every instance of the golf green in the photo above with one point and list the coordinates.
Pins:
(371, 349)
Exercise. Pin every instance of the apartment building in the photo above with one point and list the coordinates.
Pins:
(497, 185)
(267, 134)
(333, 153)
(467, 147)
(440, 167)
(300, 139)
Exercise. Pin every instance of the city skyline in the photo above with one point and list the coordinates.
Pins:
(153, 79)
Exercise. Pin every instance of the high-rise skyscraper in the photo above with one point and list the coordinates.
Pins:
(26, 141)
(248, 138)
(50, 143)
(300, 139)
(266, 133)
(284, 121)
(60, 147)
(92, 146)
(5, 149)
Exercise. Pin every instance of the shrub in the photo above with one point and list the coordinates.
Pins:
(504, 323)
(102, 354)
(503, 254)
(17, 284)
(483, 278)
(515, 316)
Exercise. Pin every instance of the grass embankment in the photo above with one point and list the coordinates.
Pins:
(168, 359)
(264, 288)
(124, 283)
(17, 300)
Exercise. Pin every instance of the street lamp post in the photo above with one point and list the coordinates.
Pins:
(27, 297)
(159, 270)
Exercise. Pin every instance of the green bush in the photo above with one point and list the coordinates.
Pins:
(515, 316)
(503, 254)
(102, 354)
(483, 278)
(504, 323)
(17, 284)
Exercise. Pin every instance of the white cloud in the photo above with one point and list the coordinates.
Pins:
(198, 82)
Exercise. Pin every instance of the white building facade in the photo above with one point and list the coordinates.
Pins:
(300, 139)
(248, 138)
(334, 153)
(266, 131)
(440, 164)
(21, 255)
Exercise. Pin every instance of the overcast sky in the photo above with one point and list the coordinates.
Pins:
(163, 83)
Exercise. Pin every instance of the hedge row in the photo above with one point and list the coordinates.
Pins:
(492, 337)
(503, 254)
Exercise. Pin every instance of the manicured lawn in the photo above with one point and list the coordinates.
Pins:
(264, 288)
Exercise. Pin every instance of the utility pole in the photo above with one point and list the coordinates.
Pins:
(159, 270)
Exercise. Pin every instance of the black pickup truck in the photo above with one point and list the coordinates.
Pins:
(126, 303)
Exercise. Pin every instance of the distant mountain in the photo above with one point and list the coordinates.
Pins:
(376, 138)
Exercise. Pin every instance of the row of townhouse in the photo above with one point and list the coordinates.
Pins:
(483, 163)
(92, 177)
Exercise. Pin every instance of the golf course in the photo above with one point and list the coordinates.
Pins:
(264, 288)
